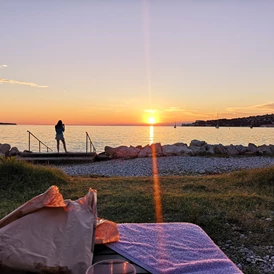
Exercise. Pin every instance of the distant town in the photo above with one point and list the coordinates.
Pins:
(7, 123)
(266, 120)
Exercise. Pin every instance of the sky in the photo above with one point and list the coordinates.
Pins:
(106, 62)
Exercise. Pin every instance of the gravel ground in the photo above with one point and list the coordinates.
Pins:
(173, 165)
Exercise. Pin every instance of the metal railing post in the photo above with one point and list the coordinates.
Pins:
(90, 142)
(29, 140)
(40, 142)
(86, 142)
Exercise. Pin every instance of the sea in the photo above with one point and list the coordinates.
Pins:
(24, 137)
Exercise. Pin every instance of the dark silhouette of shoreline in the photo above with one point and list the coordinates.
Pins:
(266, 120)
(11, 124)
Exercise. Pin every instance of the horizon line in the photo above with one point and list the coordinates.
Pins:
(73, 124)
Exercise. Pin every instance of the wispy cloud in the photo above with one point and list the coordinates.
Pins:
(150, 110)
(266, 106)
(7, 81)
(173, 109)
(3, 66)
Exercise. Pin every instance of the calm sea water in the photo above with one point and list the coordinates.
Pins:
(101, 136)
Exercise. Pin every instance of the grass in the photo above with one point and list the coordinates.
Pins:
(233, 206)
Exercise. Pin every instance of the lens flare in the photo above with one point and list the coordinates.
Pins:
(157, 189)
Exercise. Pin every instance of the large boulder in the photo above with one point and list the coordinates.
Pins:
(264, 150)
(241, 149)
(185, 150)
(122, 152)
(4, 149)
(198, 150)
(231, 150)
(145, 152)
(127, 152)
(272, 148)
(220, 149)
(198, 147)
(14, 151)
(210, 149)
(198, 143)
(157, 149)
(169, 150)
(110, 151)
(252, 150)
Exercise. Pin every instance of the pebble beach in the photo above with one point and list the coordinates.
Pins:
(172, 165)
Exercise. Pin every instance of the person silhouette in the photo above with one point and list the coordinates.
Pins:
(59, 129)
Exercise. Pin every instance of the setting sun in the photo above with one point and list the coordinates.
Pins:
(151, 116)
(151, 120)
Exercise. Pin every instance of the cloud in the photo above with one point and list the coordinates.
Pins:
(3, 66)
(20, 83)
(173, 109)
(266, 106)
(150, 110)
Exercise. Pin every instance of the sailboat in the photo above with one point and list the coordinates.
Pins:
(175, 125)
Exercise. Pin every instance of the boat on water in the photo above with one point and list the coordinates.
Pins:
(175, 125)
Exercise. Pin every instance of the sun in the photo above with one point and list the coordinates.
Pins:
(151, 120)
(151, 117)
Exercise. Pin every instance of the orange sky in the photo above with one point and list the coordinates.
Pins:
(92, 63)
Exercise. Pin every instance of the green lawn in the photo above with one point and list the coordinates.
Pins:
(238, 206)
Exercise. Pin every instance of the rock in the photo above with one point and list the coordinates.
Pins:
(198, 147)
(102, 157)
(210, 150)
(14, 151)
(110, 151)
(198, 143)
(232, 151)
(145, 152)
(186, 151)
(220, 149)
(272, 148)
(198, 150)
(264, 150)
(157, 149)
(4, 149)
(180, 144)
(126, 152)
(241, 149)
(171, 150)
(252, 147)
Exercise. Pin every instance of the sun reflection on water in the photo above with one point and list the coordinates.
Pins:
(151, 135)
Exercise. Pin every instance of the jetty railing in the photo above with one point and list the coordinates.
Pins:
(91, 146)
(40, 142)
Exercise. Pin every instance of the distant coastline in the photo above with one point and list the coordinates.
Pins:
(266, 120)
(13, 124)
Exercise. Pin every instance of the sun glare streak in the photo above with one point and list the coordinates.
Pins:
(151, 135)
(147, 47)
(157, 189)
